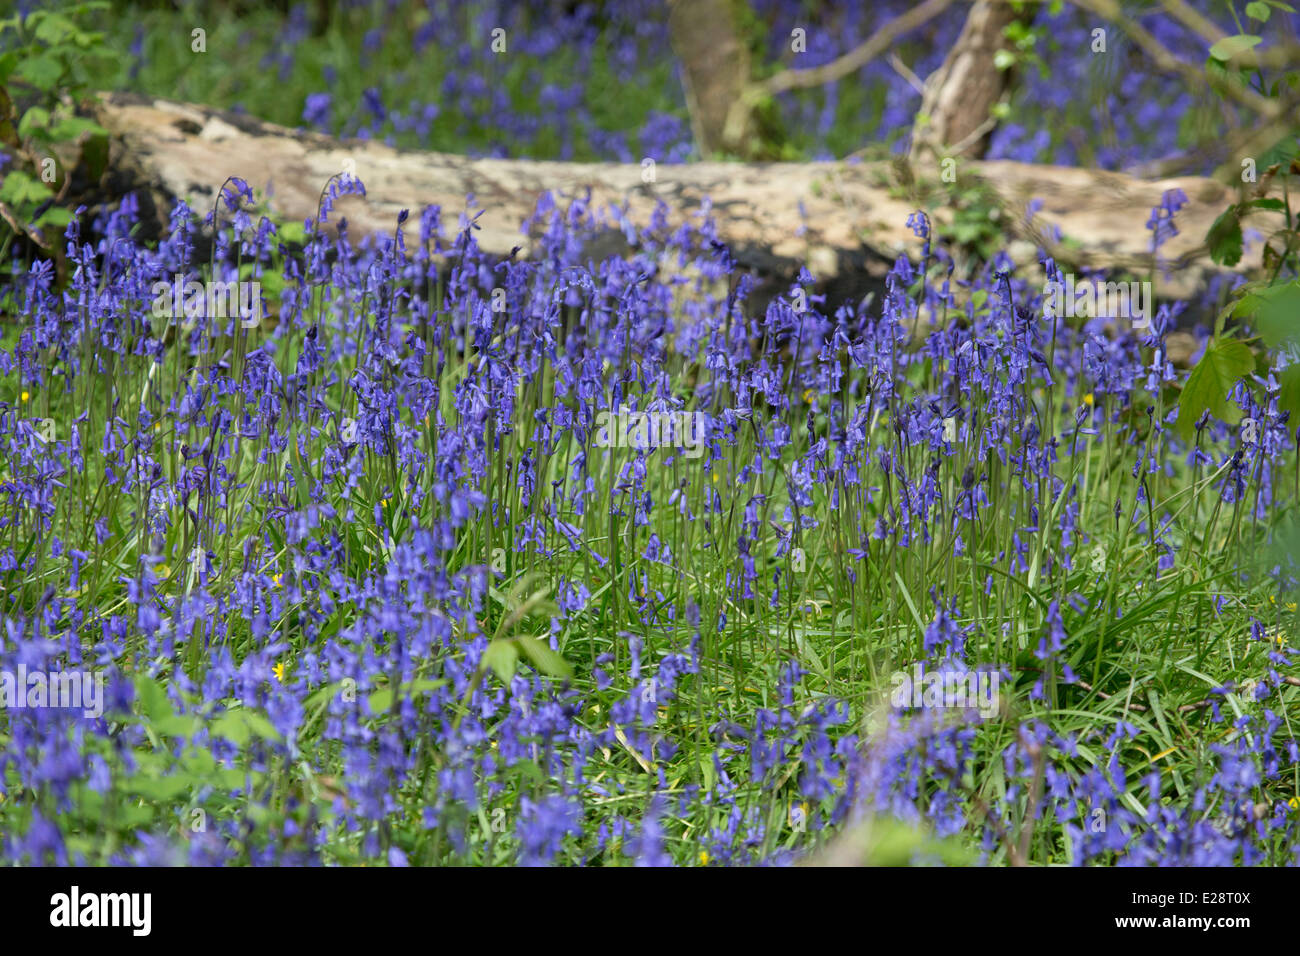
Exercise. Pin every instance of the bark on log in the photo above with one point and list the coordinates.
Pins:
(834, 217)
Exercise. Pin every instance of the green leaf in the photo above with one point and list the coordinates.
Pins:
(1289, 398)
(1280, 153)
(1258, 11)
(20, 188)
(230, 726)
(154, 704)
(1278, 314)
(42, 72)
(292, 232)
(55, 216)
(1269, 203)
(544, 659)
(38, 117)
(239, 726)
(54, 29)
(159, 788)
(502, 656)
(1224, 238)
(72, 127)
(178, 725)
(1224, 363)
(381, 700)
(1229, 47)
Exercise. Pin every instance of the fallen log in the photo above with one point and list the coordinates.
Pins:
(835, 217)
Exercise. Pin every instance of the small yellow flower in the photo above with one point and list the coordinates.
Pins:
(278, 671)
(1087, 399)
(26, 396)
(275, 580)
(807, 395)
(704, 858)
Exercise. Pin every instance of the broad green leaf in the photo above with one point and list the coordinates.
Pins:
(38, 117)
(178, 725)
(232, 778)
(232, 728)
(42, 72)
(55, 216)
(71, 127)
(1224, 238)
(1269, 203)
(502, 656)
(1229, 47)
(544, 659)
(260, 725)
(1280, 153)
(381, 700)
(1258, 11)
(154, 704)
(1224, 363)
(1289, 398)
(239, 726)
(292, 232)
(159, 788)
(20, 188)
(1277, 316)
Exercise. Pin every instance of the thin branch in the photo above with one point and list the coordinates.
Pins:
(1195, 21)
(903, 70)
(973, 137)
(860, 55)
(878, 43)
(1281, 55)
(1160, 55)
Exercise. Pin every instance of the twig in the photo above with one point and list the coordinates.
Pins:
(906, 73)
(860, 55)
(842, 66)
(1160, 55)
(973, 137)
(1194, 20)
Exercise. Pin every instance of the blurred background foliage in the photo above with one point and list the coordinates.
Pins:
(587, 81)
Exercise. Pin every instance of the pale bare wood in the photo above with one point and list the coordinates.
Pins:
(830, 216)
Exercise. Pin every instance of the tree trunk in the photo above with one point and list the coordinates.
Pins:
(715, 69)
(956, 107)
